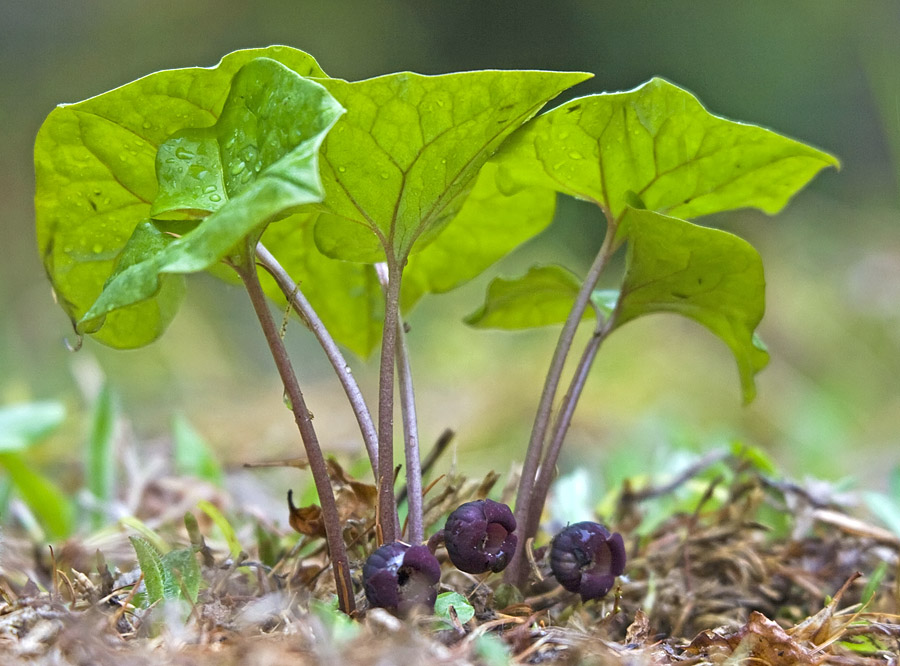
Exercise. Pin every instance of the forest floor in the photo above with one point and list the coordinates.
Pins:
(751, 570)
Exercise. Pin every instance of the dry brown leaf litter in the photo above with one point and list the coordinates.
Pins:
(711, 586)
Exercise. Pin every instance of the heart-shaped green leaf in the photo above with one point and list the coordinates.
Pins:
(488, 227)
(397, 167)
(657, 146)
(265, 148)
(348, 297)
(541, 297)
(96, 180)
(708, 275)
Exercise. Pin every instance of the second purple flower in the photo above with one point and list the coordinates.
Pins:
(479, 536)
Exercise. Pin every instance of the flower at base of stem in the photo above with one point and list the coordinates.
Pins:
(401, 577)
(585, 558)
(480, 537)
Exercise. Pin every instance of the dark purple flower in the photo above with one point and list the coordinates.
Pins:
(401, 577)
(586, 558)
(480, 536)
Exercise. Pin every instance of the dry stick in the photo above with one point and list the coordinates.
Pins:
(302, 417)
(388, 525)
(416, 532)
(306, 312)
(516, 573)
(561, 427)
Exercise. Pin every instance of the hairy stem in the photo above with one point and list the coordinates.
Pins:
(410, 426)
(517, 571)
(306, 312)
(561, 427)
(387, 524)
(317, 465)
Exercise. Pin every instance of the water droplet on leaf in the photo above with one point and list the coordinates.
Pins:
(215, 197)
(183, 153)
(575, 155)
(237, 167)
(74, 346)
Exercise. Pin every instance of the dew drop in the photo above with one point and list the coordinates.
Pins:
(97, 248)
(74, 346)
(575, 155)
(215, 197)
(384, 175)
(342, 169)
(209, 189)
(147, 124)
(183, 153)
(287, 400)
(237, 167)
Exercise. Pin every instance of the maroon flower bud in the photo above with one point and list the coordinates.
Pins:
(585, 558)
(479, 536)
(401, 577)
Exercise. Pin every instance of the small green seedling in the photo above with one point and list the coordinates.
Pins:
(372, 194)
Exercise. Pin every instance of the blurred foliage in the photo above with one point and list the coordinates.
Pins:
(829, 403)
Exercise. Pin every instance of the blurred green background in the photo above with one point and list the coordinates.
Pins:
(824, 72)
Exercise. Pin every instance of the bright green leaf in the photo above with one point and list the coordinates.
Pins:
(492, 650)
(182, 574)
(210, 509)
(269, 133)
(100, 468)
(49, 504)
(193, 457)
(145, 532)
(96, 179)
(710, 276)
(24, 424)
(464, 610)
(339, 626)
(488, 227)
(885, 509)
(397, 167)
(541, 297)
(156, 579)
(658, 146)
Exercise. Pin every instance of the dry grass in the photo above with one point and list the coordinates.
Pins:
(714, 585)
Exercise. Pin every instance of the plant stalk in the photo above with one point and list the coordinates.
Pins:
(306, 312)
(387, 523)
(517, 571)
(415, 514)
(317, 465)
(561, 428)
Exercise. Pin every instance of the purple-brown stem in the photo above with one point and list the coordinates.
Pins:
(306, 312)
(303, 419)
(517, 571)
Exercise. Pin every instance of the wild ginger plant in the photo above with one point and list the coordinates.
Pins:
(350, 201)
